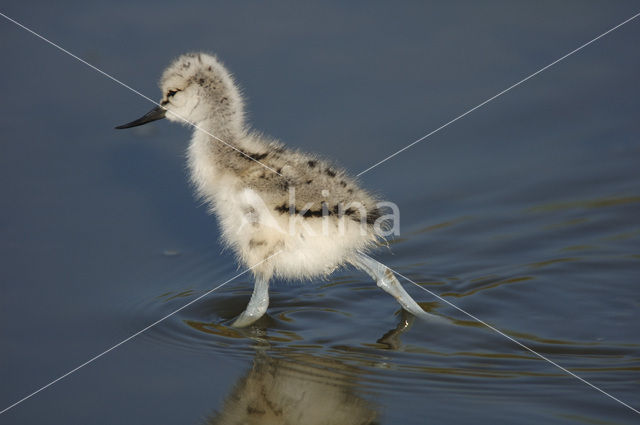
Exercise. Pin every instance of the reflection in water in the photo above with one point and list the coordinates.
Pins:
(391, 339)
(296, 389)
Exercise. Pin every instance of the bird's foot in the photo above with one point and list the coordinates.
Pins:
(246, 318)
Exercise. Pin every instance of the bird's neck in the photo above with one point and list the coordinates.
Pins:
(216, 155)
(220, 128)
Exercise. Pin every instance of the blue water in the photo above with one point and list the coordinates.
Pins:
(524, 214)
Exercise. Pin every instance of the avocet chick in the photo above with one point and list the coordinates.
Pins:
(284, 213)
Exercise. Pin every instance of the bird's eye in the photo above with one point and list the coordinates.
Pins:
(171, 93)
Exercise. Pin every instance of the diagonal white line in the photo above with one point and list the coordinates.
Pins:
(512, 339)
(500, 94)
(133, 90)
(134, 335)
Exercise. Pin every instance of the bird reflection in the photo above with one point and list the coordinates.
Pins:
(391, 339)
(296, 389)
(288, 386)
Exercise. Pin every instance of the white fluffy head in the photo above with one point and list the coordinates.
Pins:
(197, 88)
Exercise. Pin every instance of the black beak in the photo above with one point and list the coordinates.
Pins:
(155, 114)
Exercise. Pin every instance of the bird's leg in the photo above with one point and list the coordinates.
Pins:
(387, 281)
(257, 304)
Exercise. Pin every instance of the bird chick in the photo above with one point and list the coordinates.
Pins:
(284, 213)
